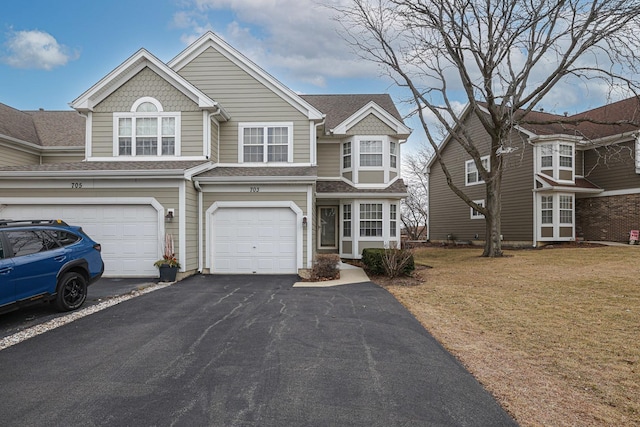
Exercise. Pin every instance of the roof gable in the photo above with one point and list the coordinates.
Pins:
(129, 68)
(344, 111)
(211, 40)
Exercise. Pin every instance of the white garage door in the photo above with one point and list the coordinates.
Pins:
(128, 233)
(254, 240)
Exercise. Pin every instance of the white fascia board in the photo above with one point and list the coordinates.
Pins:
(379, 112)
(129, 68)
(189, 173)
(212, 40)
(372, 196)
(558, 137)
(67, 174)
(252, 179)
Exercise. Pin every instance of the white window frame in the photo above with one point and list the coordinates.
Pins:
(393, 155)
(347, 218)
(556, 209)
(159, 115)
(474, 214)
(346, 155)
(362, 220)
(265, 140)
(371, 153)
(393, 220)
(470, 167)
(553, 150)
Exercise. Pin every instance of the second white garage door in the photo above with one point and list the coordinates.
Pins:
(128, 233)
(254, 241)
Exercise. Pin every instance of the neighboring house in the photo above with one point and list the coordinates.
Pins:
(574, 180)
(246, 175)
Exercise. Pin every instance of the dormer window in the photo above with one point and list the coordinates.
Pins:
(147, 130)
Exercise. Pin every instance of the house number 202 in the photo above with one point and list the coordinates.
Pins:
(254, 189)
(76, 185)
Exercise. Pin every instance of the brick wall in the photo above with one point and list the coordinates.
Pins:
(608, 218)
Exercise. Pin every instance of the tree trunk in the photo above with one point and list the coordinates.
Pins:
(493, 240)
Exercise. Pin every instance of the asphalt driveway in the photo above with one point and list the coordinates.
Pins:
(243, 351)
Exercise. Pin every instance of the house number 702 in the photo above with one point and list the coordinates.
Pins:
(254, 189)
(76, 185)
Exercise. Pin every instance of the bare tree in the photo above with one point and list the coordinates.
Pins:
(502, 56)
(414, 209)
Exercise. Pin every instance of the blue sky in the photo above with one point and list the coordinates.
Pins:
(52, 51)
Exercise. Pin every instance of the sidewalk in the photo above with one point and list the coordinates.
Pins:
(348, 274)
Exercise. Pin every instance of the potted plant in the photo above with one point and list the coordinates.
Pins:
(168, 265)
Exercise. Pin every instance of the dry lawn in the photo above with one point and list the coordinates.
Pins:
(554, 334)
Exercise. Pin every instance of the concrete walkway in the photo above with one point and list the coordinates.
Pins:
(348, 274)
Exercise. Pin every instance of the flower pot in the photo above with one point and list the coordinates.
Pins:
(168, 273)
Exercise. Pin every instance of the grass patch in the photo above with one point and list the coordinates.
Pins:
(554, 334)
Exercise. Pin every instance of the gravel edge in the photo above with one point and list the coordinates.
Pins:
(63, 320)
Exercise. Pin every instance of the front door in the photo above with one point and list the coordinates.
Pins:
(328, 227)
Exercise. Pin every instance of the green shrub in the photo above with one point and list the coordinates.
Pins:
(390, 262)
(325, 267)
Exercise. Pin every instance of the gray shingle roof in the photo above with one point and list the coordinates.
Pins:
(43, 128)
(338, 108)
(17, 124)
(342, 187)
(59, 128)
(284, 171)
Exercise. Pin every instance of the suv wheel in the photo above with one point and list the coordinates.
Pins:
(72, 291)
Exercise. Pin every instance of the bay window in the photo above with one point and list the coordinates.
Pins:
(393, 218)
(371, 153)
(346, 220)
(346, 155)
(370, 219)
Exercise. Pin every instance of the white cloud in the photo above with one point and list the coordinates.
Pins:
(36, 49)
(299, 38)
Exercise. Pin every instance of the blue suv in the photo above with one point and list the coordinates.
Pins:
(46, 260)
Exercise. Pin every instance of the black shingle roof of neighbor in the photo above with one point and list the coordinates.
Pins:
(342, 187)
(284, 171)
(338, 108)
(43, 128)
(107, 166)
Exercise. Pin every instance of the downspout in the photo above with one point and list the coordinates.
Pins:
(428, 224)
(196, 185)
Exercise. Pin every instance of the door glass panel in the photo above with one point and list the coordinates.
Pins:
(328, 227)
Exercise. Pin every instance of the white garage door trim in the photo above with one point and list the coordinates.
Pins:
(144, 201)
(248, 204)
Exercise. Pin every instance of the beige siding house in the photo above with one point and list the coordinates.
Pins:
(247, 176)
(571, 178)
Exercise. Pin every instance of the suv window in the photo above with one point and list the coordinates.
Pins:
(27, 242)
(1, 248)
(64, 237)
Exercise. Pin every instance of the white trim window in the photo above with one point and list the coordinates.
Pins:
(147, 130)
(565, 209)
(346, 220)
(393, 220)
(371, 153)
(346, 155)
(474, 213)
(265, 142)
(393, 155)
(546, 210)
(371, 220)
(555, 157)
(471, 174)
